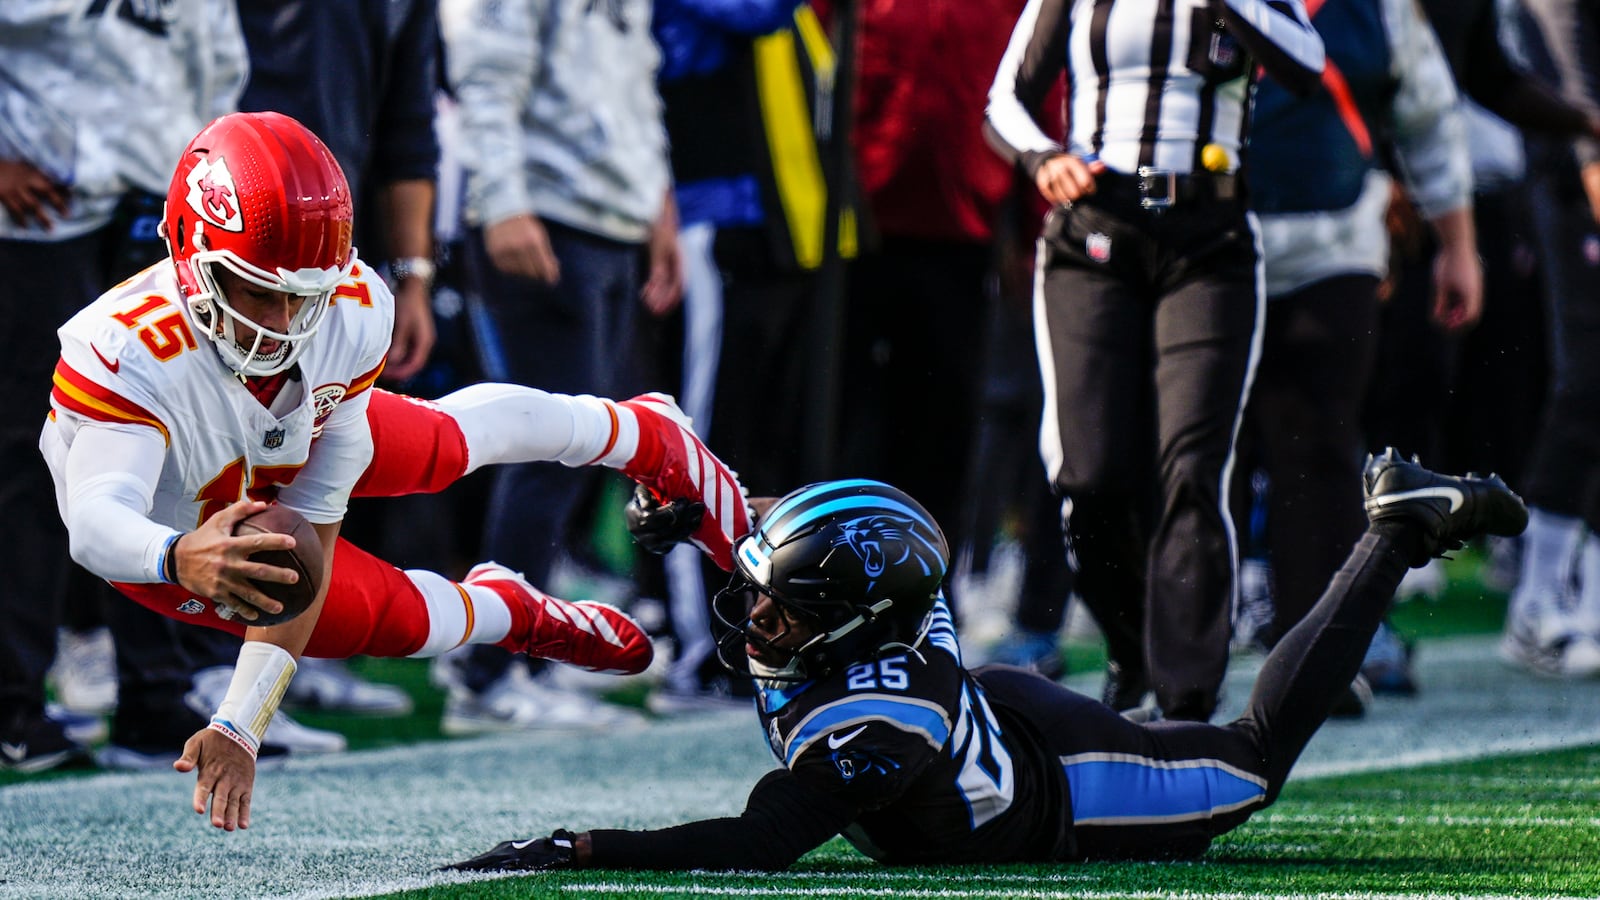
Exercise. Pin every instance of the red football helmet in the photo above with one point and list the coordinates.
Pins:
(260, 194)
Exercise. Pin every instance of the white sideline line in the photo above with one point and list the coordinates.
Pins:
(856, 890)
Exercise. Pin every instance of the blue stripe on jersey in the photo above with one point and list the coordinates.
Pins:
(942, 629)
(917, 717)
(1124, 789)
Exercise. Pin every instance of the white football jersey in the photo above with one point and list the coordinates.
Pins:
(135, 357)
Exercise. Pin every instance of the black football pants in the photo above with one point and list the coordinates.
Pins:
(1146, 326)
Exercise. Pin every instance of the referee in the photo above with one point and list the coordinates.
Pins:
(1146, 304)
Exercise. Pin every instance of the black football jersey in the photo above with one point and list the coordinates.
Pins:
(936, 771)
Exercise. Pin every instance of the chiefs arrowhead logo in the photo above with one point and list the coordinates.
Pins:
(212, 195)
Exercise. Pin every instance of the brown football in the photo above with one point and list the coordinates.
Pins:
(305, 558)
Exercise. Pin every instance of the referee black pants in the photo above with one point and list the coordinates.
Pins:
(1146, 325)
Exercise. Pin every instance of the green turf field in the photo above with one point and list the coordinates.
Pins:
(1526, 826)
(1486, 785)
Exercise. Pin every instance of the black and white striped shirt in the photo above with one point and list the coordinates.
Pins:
(1150, 82)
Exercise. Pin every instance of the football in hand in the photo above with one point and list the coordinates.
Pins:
(305, 559)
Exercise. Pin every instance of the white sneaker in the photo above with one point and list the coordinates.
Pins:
(328, 684)
(85, 728)
(211, 685)
(85, 670)
(520, 702)
(1547, 646)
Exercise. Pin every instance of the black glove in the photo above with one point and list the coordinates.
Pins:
(532, 855)
(657, 527)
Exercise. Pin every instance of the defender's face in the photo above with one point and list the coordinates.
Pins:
(774, 629)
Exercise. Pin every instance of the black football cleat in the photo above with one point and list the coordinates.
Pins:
(1449, 509)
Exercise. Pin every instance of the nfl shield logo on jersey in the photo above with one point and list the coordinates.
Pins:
(191, 607)
(273, 439)
(1098, 246)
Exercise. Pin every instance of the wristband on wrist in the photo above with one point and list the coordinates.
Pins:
(232, 731)
(259, 680)
(169, 559)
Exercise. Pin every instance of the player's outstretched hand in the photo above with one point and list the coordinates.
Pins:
(227, 773)
(534, 854)
(215, 563)
(658, 527)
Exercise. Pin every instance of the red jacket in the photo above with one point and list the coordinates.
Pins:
(924, 69)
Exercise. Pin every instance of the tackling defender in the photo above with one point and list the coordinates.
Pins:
(885, 738)
(241, 370)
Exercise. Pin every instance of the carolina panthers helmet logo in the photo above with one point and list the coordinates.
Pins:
(883, 541)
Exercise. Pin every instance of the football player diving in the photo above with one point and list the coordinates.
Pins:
(882, 736)
(241, 370)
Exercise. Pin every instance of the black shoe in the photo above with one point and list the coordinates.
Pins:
(153, 738)
(1448, 509)
(1125, 689)
(34, 742)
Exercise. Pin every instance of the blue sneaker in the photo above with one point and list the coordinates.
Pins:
(1038, 651)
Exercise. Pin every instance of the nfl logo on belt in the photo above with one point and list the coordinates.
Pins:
(1223, 50)
(273, 439)
(1098, 246)
(192, 607)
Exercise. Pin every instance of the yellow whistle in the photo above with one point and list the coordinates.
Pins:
(1215, 158)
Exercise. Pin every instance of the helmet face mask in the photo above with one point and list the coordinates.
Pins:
(259, 195)
(858, 564)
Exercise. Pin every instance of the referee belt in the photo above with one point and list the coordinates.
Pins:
(1158, 189)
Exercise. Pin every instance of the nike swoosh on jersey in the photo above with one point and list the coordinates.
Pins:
(14, 752)
(1454, 495)
(109, 364)
(835, 741)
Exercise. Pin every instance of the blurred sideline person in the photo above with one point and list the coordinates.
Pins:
(742, 85)
(99, 101)
(1318, 186)
(836, 609)
(192, 393)
(1552, 629)
(571, 227)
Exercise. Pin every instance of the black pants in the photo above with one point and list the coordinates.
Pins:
(1296, 688)
(913, 368)
(46, 283)
(1303, 428)
(1563, 474)
(1146, 325)
(574, 337)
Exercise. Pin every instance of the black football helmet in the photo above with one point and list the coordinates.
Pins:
(859, 561)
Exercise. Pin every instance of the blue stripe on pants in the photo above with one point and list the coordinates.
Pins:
(1123, 789)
